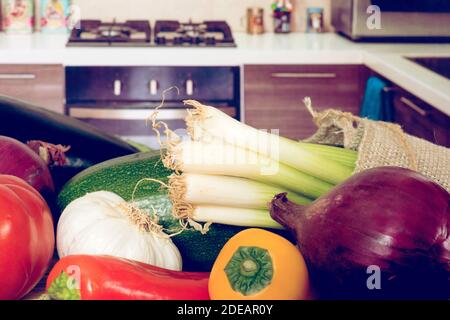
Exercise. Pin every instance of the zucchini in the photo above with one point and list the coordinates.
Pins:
(121, 175)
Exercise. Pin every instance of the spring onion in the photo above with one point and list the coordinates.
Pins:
(227, 160)
(198, 189)
(235, 216)
(205, 123)
(343, 156)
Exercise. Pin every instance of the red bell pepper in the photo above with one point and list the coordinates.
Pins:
(84, 277)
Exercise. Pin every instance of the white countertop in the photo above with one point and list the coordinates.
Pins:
(296, 48)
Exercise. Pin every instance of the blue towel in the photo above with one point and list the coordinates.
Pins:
(377, 104)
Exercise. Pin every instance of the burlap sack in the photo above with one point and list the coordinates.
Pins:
(381, 144)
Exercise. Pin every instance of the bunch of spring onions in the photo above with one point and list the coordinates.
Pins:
(228, 172)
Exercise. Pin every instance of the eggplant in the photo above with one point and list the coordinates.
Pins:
(24, 121)
(88, 146)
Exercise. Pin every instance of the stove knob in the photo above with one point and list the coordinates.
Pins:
(196, 40)
(210, 41)
(160, 40)
(177, 40)
(189, 40)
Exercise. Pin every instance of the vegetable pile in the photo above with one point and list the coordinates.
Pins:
(231, 212)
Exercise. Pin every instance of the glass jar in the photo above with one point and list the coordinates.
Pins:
(54, 15)
(18, 16)
(282, 22)
(314, 18)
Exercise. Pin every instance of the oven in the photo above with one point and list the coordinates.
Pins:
(120, 100)
(399, 19)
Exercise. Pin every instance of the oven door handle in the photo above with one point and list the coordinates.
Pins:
(136, 114)
(125, 114)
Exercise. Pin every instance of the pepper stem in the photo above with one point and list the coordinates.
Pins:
(250, 270)
(63, 288)
(249, 267)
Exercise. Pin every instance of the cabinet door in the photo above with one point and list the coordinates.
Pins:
(420, 119)
(42, 85)
(273, 94)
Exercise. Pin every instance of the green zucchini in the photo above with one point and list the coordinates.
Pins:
(120, 175)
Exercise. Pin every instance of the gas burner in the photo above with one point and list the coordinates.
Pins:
(205, 34)
(138, 33)
(97, 33)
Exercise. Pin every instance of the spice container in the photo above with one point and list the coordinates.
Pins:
(54, 15)
(314, 18)
(282, 10)
(255, 20)
(18, 16)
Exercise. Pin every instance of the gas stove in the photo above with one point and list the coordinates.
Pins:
(167, 33)
(98, 33)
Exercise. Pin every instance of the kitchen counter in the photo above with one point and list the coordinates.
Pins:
(386, 59)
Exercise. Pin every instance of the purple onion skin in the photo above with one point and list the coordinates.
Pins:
(19, 160)
(389, 217)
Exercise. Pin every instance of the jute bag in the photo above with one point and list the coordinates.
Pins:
(381, 144)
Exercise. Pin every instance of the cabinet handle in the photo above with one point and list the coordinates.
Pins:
(189, 87)
(117, 87)
(135, 114)
(125, 114)
(17, 76)
(304, 75)
(153, 87)
(413, 106)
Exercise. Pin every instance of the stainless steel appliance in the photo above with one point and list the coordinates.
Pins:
(120, 100)
(400, 19)
(139, 33)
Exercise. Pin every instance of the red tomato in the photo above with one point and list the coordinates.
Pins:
(26, 237)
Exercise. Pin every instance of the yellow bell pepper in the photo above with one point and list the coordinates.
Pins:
(259, 265)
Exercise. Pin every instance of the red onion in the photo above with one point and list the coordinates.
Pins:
(52, 154)
(389, 218)
(19, 160)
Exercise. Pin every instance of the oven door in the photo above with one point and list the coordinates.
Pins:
(134, 124)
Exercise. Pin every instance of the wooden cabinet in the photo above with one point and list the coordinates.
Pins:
(273, 94)
(42, 85)
(420, 119)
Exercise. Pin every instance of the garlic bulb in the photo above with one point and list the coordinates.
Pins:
(102, 223)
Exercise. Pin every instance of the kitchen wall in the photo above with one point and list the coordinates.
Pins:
(230, 10)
